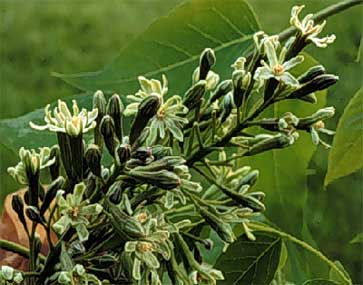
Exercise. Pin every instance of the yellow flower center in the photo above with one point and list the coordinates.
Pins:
(75, 212)
(145, 246)
(161, 113)
(142, 217)
(76, 121)
(278, 69)
(319, 125)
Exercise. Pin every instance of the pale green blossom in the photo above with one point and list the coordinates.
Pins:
(307, 28)
(75, 212)
(64, 121)
(277, 67)
(170, 115)
(31, 162)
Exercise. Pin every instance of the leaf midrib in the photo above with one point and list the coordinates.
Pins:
(257, 260)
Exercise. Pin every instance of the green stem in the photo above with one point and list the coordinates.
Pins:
(17, 248)
(303, 244)
(322, 15)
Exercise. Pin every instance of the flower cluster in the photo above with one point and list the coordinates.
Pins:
(139, 201)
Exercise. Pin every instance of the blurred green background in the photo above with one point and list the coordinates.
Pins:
(38, 37)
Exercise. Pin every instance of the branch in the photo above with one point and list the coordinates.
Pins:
(17, 248)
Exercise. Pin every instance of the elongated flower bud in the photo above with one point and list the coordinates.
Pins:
(33, 214)
(147, 109)
(162, 178)
(194, 94)
(320, 82)
(246, 200)
(320, 115)
(51, 193)
(167, 162)
(126, 226)
(93, 158)
(222, 89)
(159, 151)
(279, 141)
(123, 153)
(142, 153)
(310, 98)
(109, 135)
(249, 179)
(227, 107)
(115, 109)
(223, 229)
(311, 74)
(54, 169)
(207, 60)
(18, 206)
(99, 102)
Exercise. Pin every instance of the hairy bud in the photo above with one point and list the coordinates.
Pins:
(278, 141)
(207, 60)
(147, 109)
(93, 158)
(99, 103)
(222, 89)
(108, 131)
(320, 82)
(311, 73)
(115, 110)
(194, 94)
(51, 193)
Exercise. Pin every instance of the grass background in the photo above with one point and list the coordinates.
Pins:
(71, 36)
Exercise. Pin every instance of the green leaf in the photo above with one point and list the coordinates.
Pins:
(347, 151)
(251, 262)
(357, 239)
(172, 45)
(320, 282)
(333, 275)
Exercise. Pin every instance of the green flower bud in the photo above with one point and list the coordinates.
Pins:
(311, 74)
(115, 109)
(223, 229)
(147, 109)
(54, 169)
(126, 227)
(99, 102)
(278, 141)
(159, 151)
(167, 162)
(227, 107)
(310, 98)
(51, 193)
(18, 206)
(246, 200)
(162, 178)
(240, 82)
(107, 129)
(249, 179)
(194, 94)
(320, 82)
(320, 115)
(142, 153)
(207, 60)
(123, 153)
(141, 139)
(115, 192)
(93, 158)
(222, 89)
(33, 214)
